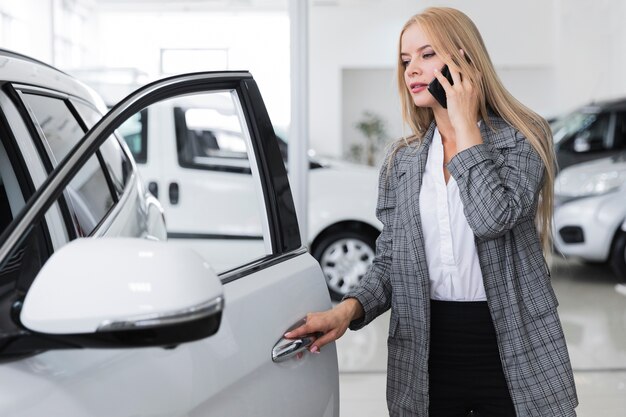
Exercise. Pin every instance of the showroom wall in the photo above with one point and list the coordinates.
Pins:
(553, 55)
(17, 19)
(200, 39)
(59, 32)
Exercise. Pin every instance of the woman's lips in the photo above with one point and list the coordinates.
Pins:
(417, 87)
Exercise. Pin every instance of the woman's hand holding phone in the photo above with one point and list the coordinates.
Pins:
(462, 100)
(436, 89)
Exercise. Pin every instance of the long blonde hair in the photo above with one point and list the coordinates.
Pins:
(448, 31)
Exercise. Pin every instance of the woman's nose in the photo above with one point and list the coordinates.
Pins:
(413, 68)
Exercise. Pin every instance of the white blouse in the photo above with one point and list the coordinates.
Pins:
(451, 254)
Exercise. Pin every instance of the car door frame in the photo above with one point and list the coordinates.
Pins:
(281, 217)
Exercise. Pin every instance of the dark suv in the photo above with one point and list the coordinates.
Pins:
(593, 131)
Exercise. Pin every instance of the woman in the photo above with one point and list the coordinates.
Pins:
(466, 206)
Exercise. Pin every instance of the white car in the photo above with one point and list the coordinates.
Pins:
(187, 149)
(99, 316)
(590, 212)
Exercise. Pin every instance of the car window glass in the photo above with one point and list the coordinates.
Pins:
(115, 159)
(211, 193)
(564, 129)
(90, 197)
(596, 137)
(117, 163)
(11, 197)
(584, 132)
(88, 194)
(60, 128)
(620, 131)
(134, 132)
(209, 135)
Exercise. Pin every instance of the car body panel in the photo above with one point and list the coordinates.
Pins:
(598, 216)
(230, 373)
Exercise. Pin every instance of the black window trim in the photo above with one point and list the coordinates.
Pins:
(40, 231)
(35, 135)
(123, 146)
(22, 173)
(276, 188)
(103, 166)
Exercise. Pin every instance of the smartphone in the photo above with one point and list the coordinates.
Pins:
(436, 89)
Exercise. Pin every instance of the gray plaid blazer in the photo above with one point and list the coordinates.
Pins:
(499, 183)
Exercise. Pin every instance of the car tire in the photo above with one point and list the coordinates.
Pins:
(344, 257)
(618, 256)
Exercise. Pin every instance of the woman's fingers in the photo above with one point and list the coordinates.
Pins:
(325, 323)
(443, 81)
(314, 323)
(456, 75)
(329, 337)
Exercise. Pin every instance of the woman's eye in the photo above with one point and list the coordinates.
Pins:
(428, 55)
(405, 63)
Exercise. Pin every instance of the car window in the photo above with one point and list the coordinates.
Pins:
(211, 193)
(115, 159)
(11, 197)
(565, 128)
(210, 137)
(620, 131)
(89, 194)
(135, 133)
(592, 134)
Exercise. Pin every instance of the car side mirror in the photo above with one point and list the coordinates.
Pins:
(587, 143)
(581, 144)
(124, 292)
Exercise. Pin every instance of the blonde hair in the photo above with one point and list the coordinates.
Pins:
(450, 30)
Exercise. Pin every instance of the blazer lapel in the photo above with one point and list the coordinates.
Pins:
(412, 218)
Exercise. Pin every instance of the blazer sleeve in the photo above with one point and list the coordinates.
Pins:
(374, 291)
(497, 196)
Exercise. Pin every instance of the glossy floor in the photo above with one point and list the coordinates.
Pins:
(593, 314)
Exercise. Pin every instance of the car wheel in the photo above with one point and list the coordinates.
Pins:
(344, 257)
(618, 256)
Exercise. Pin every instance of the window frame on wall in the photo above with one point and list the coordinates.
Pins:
(69, 26)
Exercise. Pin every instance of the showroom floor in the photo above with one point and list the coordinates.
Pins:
(594, 319)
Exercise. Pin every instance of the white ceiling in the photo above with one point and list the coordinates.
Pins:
(185, 5)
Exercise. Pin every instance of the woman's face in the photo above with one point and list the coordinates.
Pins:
(419, 61)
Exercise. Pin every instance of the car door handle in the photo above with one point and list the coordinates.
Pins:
(288, 348)
(174, 193)
(153, 187)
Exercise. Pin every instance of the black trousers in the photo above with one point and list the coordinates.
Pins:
(465, 372)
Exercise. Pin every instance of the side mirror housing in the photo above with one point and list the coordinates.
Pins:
(124, 292)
